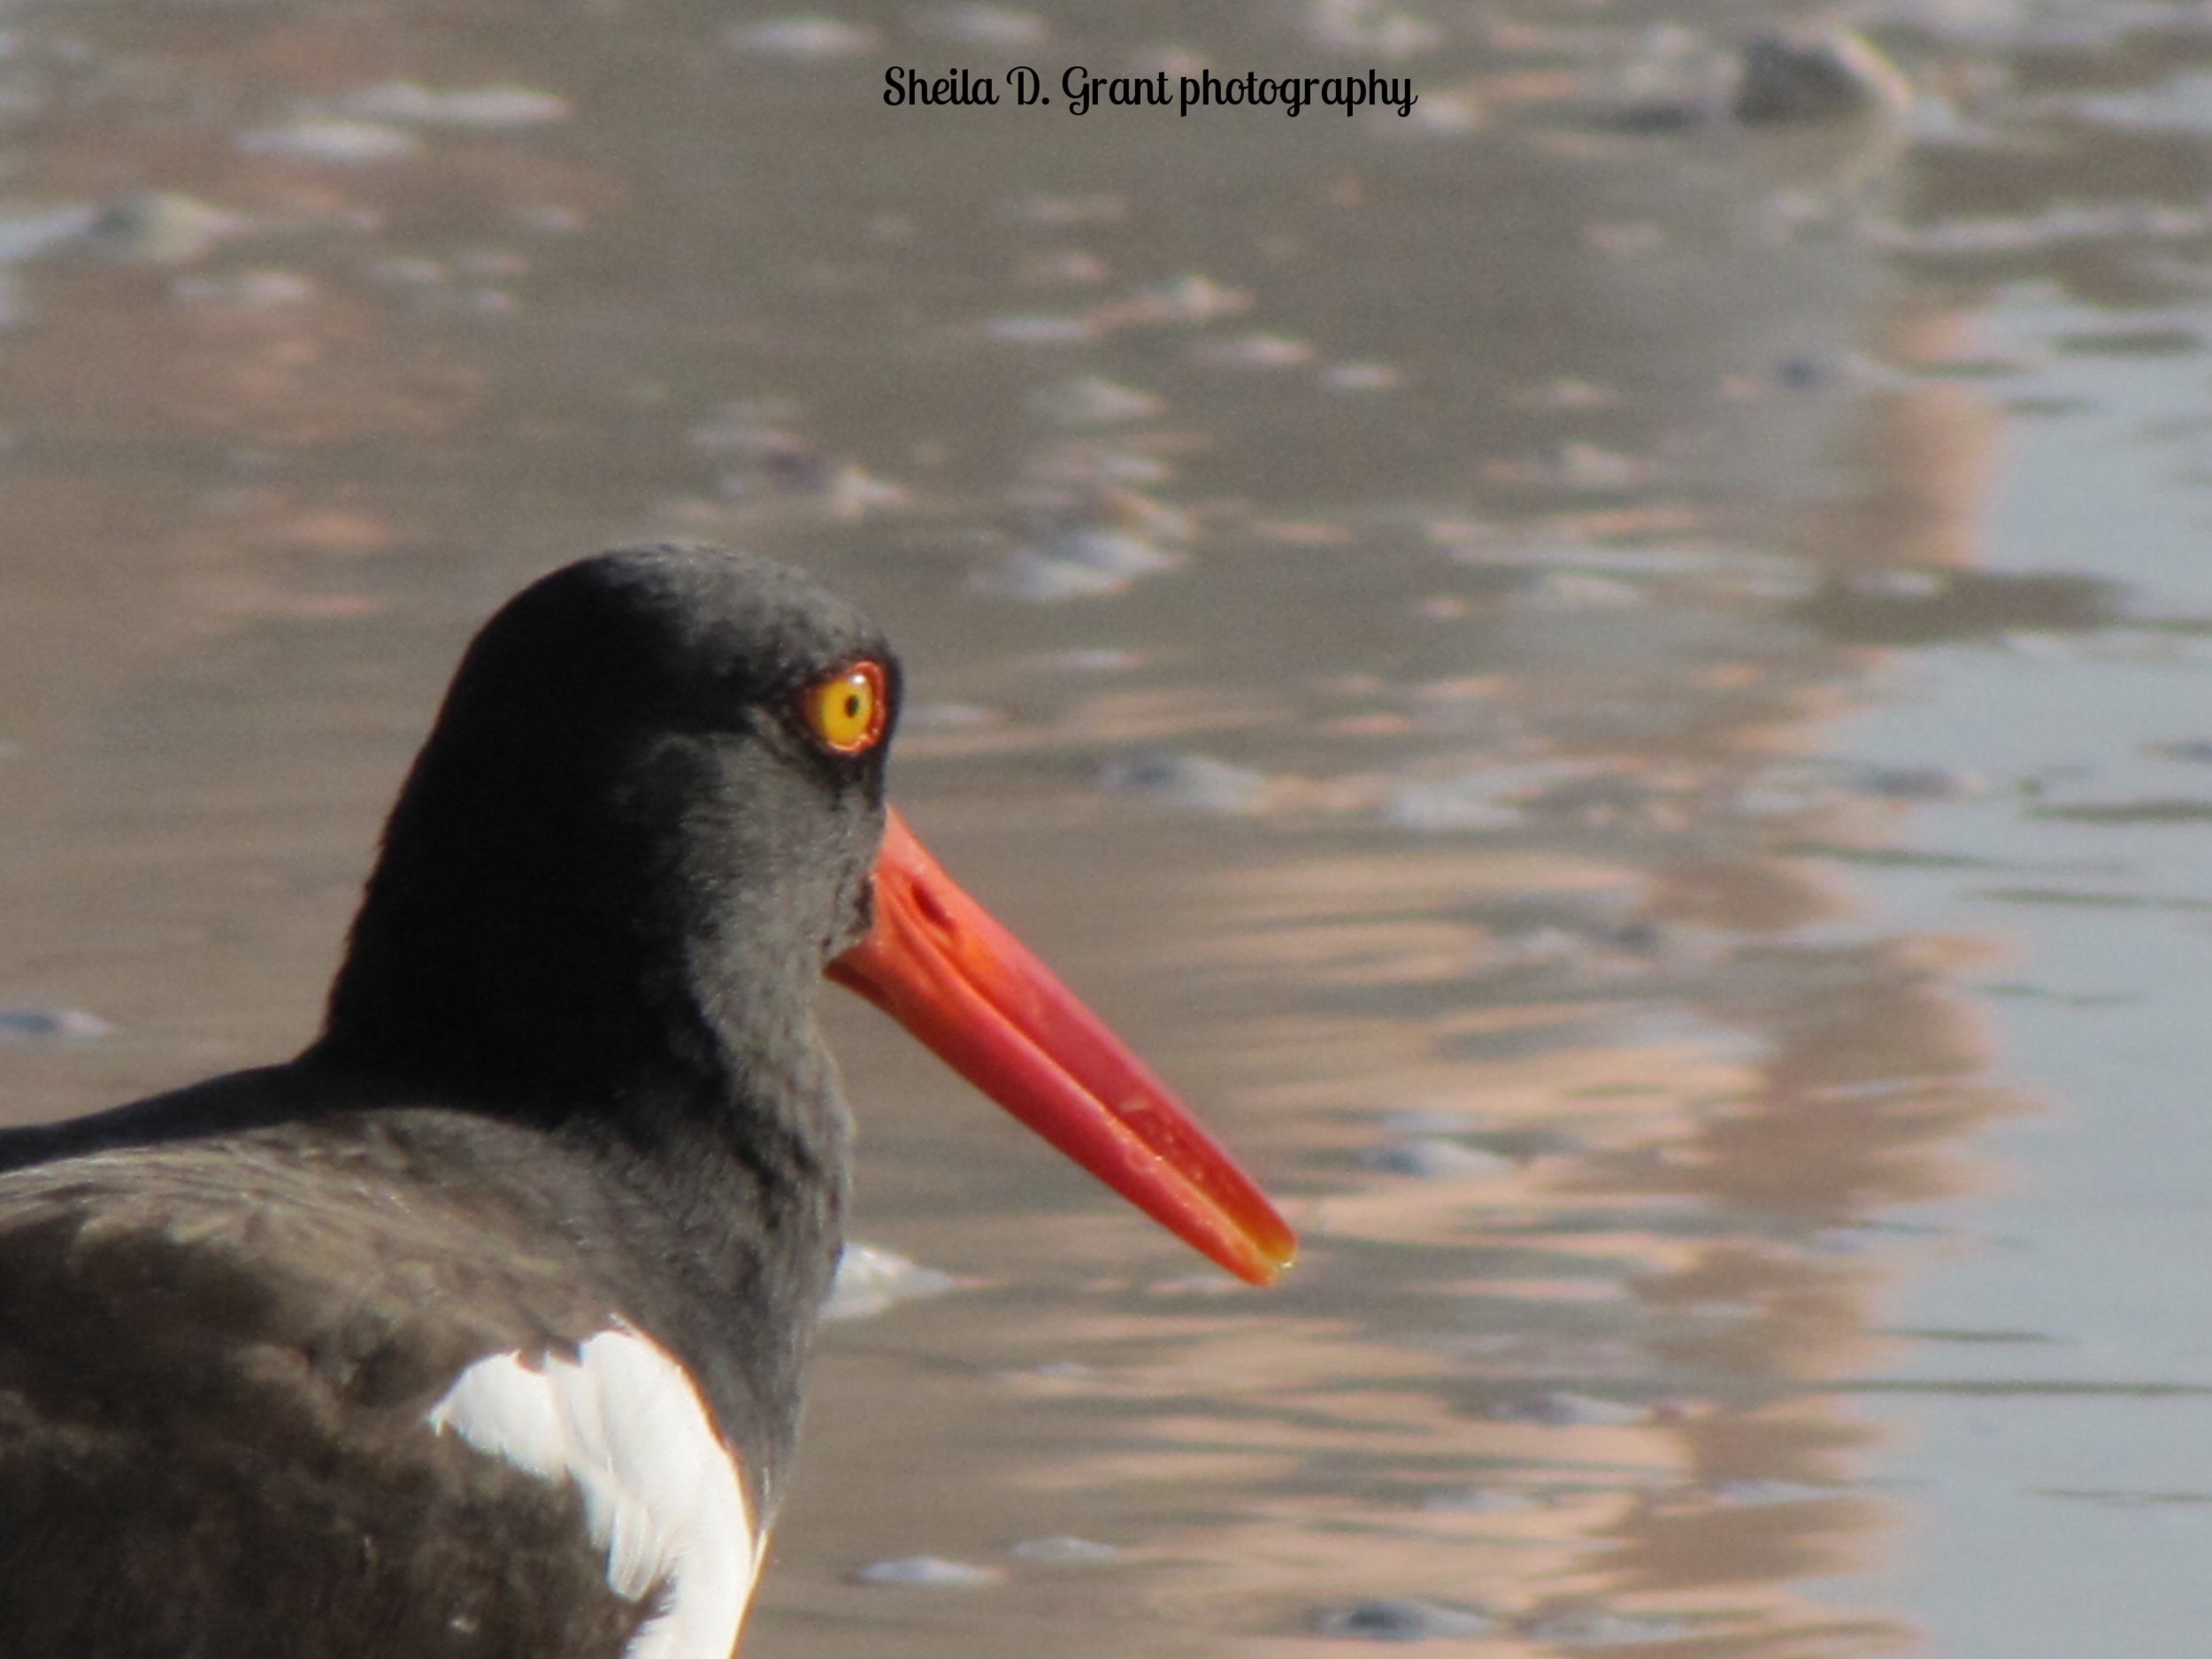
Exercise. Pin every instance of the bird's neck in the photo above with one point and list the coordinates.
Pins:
(552, 933)
(566, 945)
(708, 1126)
(627, 1024)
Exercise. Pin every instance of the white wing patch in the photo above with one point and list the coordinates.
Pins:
(661, 1492)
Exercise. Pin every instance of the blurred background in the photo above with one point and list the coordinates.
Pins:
(1611, 676)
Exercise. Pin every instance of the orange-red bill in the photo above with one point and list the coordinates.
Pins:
(938, 964)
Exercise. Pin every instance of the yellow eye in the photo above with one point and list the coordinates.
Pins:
(846, 712)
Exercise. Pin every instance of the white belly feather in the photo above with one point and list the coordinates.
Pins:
(661, 1492)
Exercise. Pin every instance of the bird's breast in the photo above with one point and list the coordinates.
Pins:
(662, 1494)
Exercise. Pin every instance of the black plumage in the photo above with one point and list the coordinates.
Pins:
(570, 1076)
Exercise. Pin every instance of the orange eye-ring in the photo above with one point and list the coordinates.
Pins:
(846, 712)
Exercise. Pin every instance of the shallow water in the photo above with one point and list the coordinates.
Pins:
(1619, 698)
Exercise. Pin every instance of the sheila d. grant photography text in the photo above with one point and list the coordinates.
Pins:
(1081, 92)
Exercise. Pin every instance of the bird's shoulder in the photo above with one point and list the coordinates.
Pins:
(367, 1256)
(351, 1361)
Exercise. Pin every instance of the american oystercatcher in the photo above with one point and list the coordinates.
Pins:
(479, 1328)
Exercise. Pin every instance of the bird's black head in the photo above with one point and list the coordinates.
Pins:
(643, 823)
